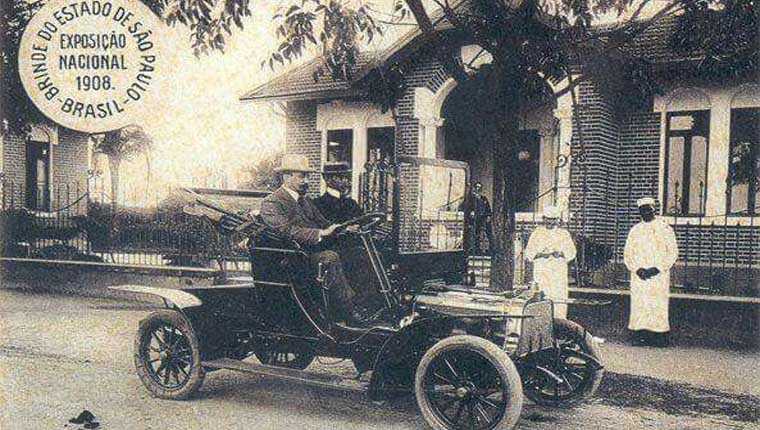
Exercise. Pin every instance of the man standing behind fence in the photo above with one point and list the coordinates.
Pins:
(650, 251)
(477, 214)
(551, 248)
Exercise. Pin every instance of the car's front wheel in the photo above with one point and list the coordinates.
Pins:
(466, 382)
(566, 374)
(167, 356)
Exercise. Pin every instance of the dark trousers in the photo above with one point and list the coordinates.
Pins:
(476, 237)
(649, 338)
(341, 295)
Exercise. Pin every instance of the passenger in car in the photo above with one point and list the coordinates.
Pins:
(292, 214)
(336, 203)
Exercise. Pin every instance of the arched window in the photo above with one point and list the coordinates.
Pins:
(687, 133)
(744, 157)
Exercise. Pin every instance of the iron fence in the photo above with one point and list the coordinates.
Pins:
(717, 254)
(75, 225)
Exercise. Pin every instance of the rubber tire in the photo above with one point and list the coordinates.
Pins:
(497, 356)
(197, 373)
(564, 329)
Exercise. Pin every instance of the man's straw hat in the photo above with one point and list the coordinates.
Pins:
(294, 163)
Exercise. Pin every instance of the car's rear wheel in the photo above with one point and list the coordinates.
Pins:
(466, 382)
(293, 359)
(566, 374)
(167, 356)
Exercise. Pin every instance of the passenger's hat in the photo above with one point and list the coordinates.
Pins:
(645, 201)
(294, 163)
(336, 168)
(552, 212)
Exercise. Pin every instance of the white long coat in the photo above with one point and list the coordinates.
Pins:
(650, 244)
(551, 273)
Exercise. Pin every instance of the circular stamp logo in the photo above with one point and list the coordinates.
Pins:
(90, 65)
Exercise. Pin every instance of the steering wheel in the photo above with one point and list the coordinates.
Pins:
(366, 222)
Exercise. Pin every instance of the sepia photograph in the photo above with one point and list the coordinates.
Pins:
(380, 214)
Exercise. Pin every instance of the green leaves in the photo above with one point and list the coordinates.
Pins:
(334, 27)
(209, 20)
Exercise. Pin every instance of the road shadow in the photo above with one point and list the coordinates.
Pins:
(318, 403)
(676, 398)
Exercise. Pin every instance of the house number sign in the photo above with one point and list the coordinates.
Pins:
(92, 65)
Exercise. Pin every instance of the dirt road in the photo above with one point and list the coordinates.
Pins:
(61, 354)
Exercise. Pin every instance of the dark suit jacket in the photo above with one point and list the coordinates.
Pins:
(337, 210)
(298, 221)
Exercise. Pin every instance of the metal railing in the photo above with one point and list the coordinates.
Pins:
(76, 226)
(718, 254)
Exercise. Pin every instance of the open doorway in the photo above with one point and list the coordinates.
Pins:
(467, 137)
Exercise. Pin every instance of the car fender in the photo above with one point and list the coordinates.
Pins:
(200, 315)
(396, 362)
(174, 298)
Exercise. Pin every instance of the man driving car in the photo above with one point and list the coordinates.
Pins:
(292, 214)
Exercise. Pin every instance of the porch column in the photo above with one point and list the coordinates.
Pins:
(431, 137)
(358, 158)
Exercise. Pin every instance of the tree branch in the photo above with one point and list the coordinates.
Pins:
(428, 29)
(619, 43)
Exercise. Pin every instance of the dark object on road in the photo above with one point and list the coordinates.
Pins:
(469, 356)
(84, 417)
(92, 425)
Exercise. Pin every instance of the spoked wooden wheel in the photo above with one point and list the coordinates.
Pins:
(466, 382)
(570, 372)
(291, 359)
(167, 356)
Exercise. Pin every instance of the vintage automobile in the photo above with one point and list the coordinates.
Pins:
(469, 356)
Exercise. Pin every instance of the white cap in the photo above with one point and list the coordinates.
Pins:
(552, 212)
(645, 201)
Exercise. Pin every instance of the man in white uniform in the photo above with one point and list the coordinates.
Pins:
(551, 248)
(650, 251)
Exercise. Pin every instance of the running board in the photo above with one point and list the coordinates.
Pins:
(302, 376)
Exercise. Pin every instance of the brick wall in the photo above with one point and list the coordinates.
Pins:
(302, 137)
(636, 164)
(638, 167)
(595, 148)
(69, 178)
(14, 170)
(426, 72)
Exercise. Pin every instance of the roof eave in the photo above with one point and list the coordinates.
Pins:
(304, 96)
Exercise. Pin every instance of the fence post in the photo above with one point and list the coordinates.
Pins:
(736, 254)
(751, 256)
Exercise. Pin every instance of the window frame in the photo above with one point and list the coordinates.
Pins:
(686, 167)
(351, 143)
(752, 192)
(32, 199)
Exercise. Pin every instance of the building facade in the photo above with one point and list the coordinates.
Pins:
(695, 148)
(45, 169)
